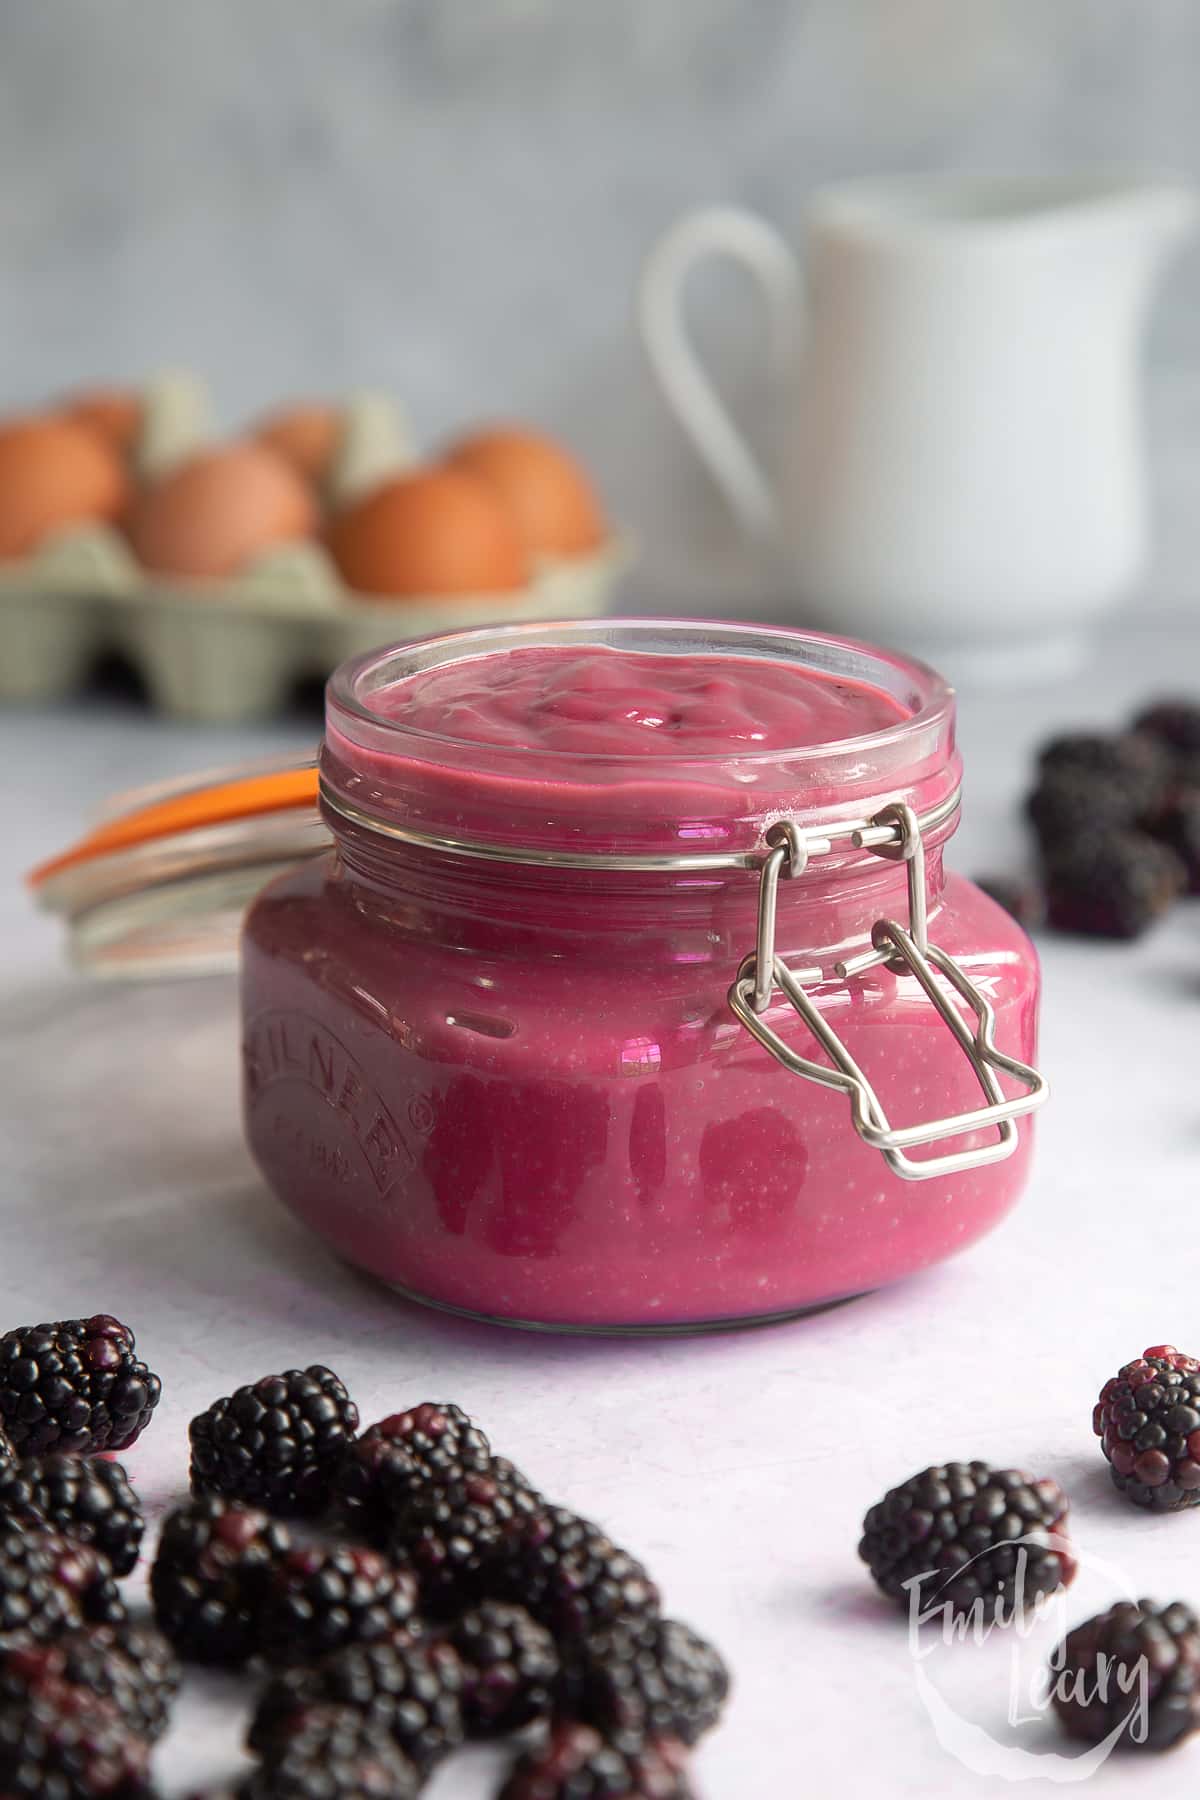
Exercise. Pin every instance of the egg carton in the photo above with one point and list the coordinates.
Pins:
(234, 650)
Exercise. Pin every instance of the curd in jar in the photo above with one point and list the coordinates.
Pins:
(489, 1049)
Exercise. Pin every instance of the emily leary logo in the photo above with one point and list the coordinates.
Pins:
(1035, 1626)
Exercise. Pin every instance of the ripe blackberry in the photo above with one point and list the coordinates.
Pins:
(89, 1499)
(1178, 827)
(960, 1533)
(391, 1462)
(1134, 759)
(1111, 884)
(642, 1679)
(412, 1690)
(8, 1452)
(75, 1385)
(323, 1597)
(18, 1503)
(48, 1585)
(84, 1573)
(1137, 1664)
(1068, 803)
(275, 1443)
(451, 1533)
(210, 1578)
(576, 1763)
(571, 1576)
(334, 1753)
(132, 1667)
(510, 1665)
(62, 1744)
(34, 1605)
(1173, 722)
(1148, 1421)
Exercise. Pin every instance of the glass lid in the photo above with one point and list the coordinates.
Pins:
(159, 886)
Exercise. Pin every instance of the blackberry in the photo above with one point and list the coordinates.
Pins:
(84, 1573)
(324, 1597)
(48, 1585)
(8, 1452)
(1022, 900)
(275, 1443)
(647, 1679)
(88, 1499)
(334, 1753)
(452, 1533)
(391, 1462)
(1148, 1421)
(1178, 827)
(411, 1690)
(1136, 1665)
(1112, 884)
(1173, 722)
(76, 1385)
(1135, 760)
(18, 1502)
(511, 1669)
(210, 1578)
(1069, 803)
(962, 1533)
(571, 1576)
(131, 1667)
(576, 1763)
(34, 1605)
(61, 1744)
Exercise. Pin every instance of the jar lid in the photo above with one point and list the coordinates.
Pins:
(160, 885)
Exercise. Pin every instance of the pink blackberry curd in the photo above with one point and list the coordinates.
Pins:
(510, 1082)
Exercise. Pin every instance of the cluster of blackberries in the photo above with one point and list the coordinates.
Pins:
(443, 1599)
(84, 1693)
(1116, 818)
(968, 1541)
(440, 1598)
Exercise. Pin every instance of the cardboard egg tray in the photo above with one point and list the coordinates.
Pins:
(230, 650)
(235, 650)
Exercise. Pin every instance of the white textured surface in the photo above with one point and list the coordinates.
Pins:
(739, 1466)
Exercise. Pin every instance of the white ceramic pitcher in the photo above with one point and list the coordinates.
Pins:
(962, 463)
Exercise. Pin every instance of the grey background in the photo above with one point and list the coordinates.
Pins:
(451, 198)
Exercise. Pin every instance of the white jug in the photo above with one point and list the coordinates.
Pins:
(962, 464)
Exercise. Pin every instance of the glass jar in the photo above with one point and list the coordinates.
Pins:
(595, 1042)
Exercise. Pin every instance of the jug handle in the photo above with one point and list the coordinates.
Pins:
(750, 241)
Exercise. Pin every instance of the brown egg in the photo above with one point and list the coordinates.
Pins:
(218, 509)
(116, 413)
(438, 531)
(54, 472)
(550, 497)
(306, 435)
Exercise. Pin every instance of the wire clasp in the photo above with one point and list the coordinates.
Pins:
(894, 833)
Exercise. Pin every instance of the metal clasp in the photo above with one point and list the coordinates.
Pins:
(895, 833)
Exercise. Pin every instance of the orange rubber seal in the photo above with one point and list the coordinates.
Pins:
(279, 791)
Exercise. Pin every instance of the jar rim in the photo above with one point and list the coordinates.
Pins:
(709, 802)
(927, 697)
